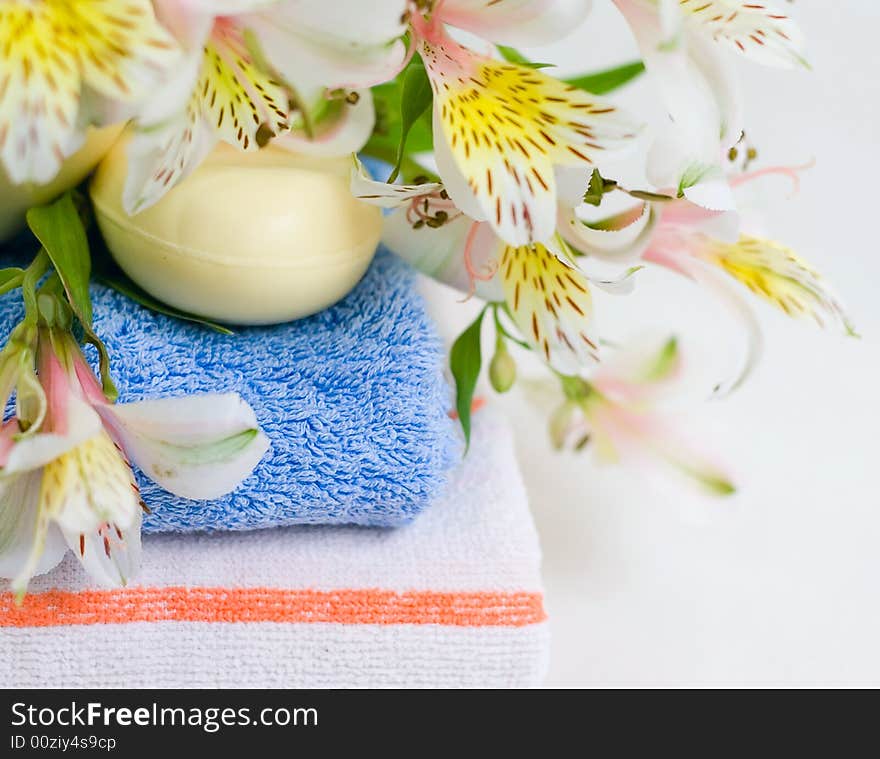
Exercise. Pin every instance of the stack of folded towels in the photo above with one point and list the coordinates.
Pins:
(356, 407)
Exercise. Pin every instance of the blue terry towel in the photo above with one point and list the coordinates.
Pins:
(353, 400)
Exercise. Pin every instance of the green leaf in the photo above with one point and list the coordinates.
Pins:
(415, 99)
(511, 55)
(597, 188)
(386, 134)
(29, 281)
(465, 360)
(385, 141)
(129, 289)
(10, 279)
(603, 82)
(598, 83)
(59, 228)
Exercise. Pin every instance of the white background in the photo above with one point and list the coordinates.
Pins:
(652, 583)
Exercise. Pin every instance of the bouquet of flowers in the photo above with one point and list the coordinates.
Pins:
(491, 163)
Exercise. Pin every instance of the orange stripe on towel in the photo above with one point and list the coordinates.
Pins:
(352, 607)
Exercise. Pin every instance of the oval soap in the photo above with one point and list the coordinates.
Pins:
(247, 238)
(15, 200)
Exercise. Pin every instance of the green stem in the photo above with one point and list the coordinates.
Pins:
(500, 329)
(11, 284)
(31, 277)
(409, 169)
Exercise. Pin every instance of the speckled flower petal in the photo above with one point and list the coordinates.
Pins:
(232, 100)
(387, 195)
(759, 31)
(89, 486)
(551, 304)
(52, 51)
(774, 273)
(505, 127)
(110, 554)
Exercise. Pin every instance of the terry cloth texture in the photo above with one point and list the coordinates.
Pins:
(353, 400)
(452, 600)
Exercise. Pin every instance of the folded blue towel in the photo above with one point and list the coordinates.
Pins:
(353, 400)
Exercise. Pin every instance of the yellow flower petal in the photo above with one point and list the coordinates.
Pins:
(776, 274)
(235, 97)
(551, 304)
(51, 50)
(232, 100)
(89, 486)
(507, 126)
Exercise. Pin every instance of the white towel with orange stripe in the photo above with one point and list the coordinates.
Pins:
(452, 600)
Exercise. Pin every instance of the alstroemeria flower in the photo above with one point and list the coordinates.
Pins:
(69, 483)
(501, 129)
(681, 43)
(705, 245)
(59, 59)
(547, 295)
(224, 91)
(615, 414)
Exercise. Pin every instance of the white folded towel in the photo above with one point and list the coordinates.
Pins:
(452, 600)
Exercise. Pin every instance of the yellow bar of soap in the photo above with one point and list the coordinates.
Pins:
(15, 200)
(247, 238)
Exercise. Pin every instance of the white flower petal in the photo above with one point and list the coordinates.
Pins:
(231, 99)
(722, 225)
(507, 127)
(674, 164)
(90, 486)
(344, 133)
(183, 419)
(170, 99)
(196, 446)
(761, 32)
(572, 183)
(773, 272)
(619, 239)
(160, 158)
(550, 302)
(191, 20)
(19, 497)
(745, 315)
(623, 285)
(516, 22)
(316, 45)
(454, 181)
(713, 194)
(385, 195)
(110, 555)
(700, 93)
(676, 252)
(440, 252)
(37, 450)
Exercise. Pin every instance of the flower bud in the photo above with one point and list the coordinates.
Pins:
(563, 422)
(502, 369)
